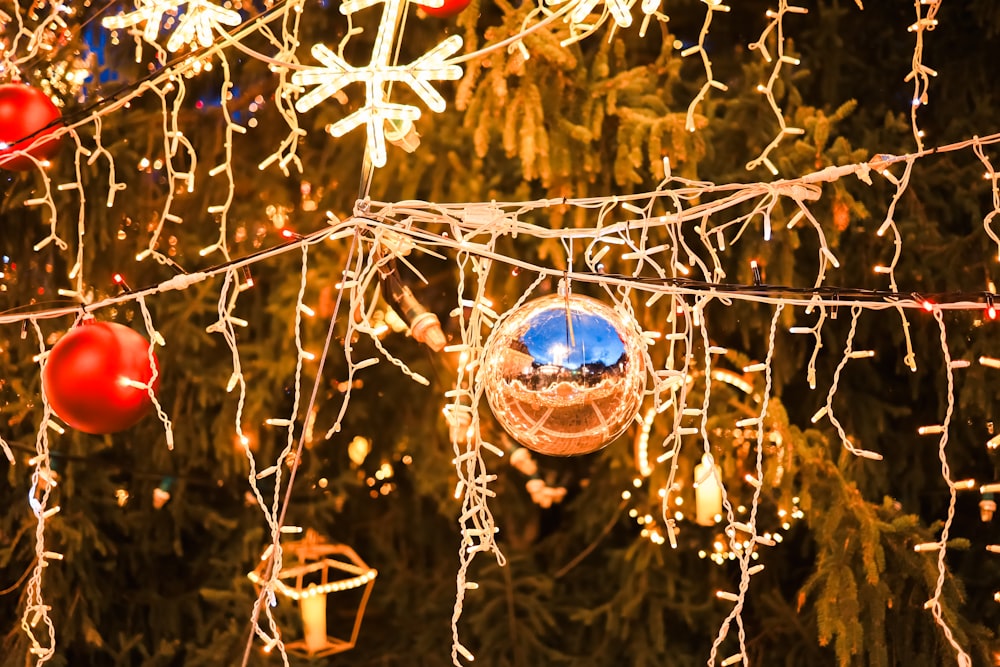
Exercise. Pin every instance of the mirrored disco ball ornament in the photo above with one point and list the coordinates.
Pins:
(564, 377)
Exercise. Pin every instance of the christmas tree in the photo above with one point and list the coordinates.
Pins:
(317, 434)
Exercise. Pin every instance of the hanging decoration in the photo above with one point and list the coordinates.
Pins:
(198, 21)
(564, 374)
(378, 111)
(317, 569)
(97, 377)
(27, 119)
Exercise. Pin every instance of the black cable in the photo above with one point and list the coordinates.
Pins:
(827, 291)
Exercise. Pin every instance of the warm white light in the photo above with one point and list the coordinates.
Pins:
(337, 73)
(198, 21)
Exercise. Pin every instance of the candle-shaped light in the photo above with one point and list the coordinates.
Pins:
(707, 492)
(313, 608)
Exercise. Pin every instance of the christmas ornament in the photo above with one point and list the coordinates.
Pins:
(94, 377)
(23, 112)
(447, 9)
(316, 569)
(564, 374)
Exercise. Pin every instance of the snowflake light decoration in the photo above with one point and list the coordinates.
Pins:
(337, 73)
(197, 22)
(620, 10)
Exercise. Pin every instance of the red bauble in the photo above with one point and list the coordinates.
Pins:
(23, 112)
(448, 9)
(84, 372)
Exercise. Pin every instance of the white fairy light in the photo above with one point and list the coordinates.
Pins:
(155, 339)
(35, 609)
(711, 7)
(778, 62)
(745, 555)
(934, 604)
(920, 73)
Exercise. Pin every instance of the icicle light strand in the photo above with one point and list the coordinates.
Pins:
(734, 528)
(920, 73)
(711, 7)
(42, 482)
(476, 520)
(155, 339)
(780, 60)
(935, 602)
(848, 349)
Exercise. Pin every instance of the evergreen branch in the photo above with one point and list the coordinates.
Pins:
(564, 570)
(17, 584)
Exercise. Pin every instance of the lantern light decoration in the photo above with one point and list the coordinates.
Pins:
(317, 569)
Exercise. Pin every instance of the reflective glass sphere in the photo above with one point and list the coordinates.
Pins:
(564, 377)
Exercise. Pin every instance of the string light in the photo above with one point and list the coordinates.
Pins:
(620, 10)
(35, 609)
(198, 21)
(777, 62)
(716, 218)
(711, 7)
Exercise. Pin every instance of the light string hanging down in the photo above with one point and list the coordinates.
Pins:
(919, 74)
(274, 513)
(711, 7)
(934, 604)
(779, 60)
(467, 230)
(736, 530)
(42, 484)
(476, 522)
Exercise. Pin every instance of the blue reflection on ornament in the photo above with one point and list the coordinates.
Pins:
(592, 340)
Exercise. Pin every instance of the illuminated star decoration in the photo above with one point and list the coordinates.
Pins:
(197, 22)
(337, 73)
